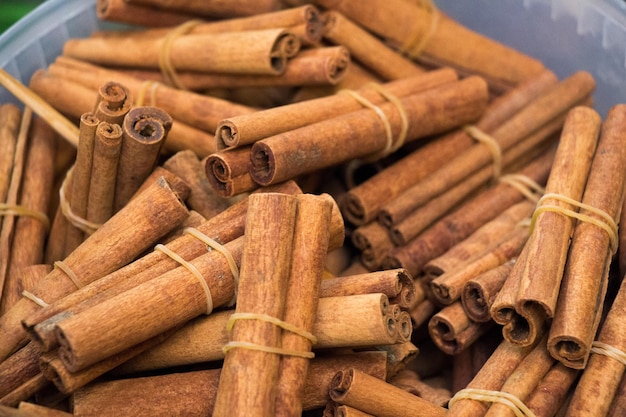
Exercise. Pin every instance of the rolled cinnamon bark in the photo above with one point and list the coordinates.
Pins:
(247, 129)
(315, 66)
(274, 159)
(543, 110)
(227, 171)
(42, 411)
(309, 248)
(212, 8)
(492, 376)
(430, 36)
(223, 228)
(81, 178)
(18, 368)
(448, 287)
(333, 409)
(106, 156)
(29, 233)
(462, 222)
(114, 102)
(367, 49)
(198, 388)
(365, 200)
(202, 199)
(491, 233)
(377, 397)
(523, 304)
(603, 373)
(410, 381)
(152, 214)
(121, 11)
(479, 292)
(577, 315)
(552, 391)
(145, 129)
(10, 116)
(200, 111)
(54, 90)
(452, 331)
(246, 52)
(374, 243)
(396, 284)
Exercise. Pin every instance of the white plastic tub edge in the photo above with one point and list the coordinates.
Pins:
(567, 35)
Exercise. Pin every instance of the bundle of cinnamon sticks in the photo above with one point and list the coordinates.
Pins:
(339, 208)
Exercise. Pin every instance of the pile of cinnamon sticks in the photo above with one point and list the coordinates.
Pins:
(280, 208)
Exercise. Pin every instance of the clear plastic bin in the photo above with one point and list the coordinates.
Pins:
(567, 35)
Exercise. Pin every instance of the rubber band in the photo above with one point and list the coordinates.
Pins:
(194, 271)
(607, 223)
(515, 404)
(529, 188)
(165, 63)
(213, 244)
(381, 115)
(76, 221)
(267, 349)
(416, 43)
(32, 297)
(7, 209)
(401, 110)
(491, 144)
(68, 271)
(146, 86)
(269, 319)
(608, 350)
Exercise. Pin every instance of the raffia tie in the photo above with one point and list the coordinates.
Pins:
(194, 271)
(76, 221)
(417, 41)
(213, 244)
(391, 144)
(491, 143)
(32, 297)
(15, 210)
(165, 62)
(606, 223)
(529, 188)
(68, 271)
(150, 87)
(269, 349)
(610, 351)
(515, 404)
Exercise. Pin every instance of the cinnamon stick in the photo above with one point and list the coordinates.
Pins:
(577, 313)
(213, 9)
(522, 305)
(480, 292)
(247, 52)
(107, 149)
(272, 159)
(10, 116)
(309, 248)
(459, 224)
(199, 111)
(29, 233)
(227, 171)
(185, 391)
(247, 129)
(452, 331)
(554, 102)
(114, 102)
(202, 199)
(145, 129)
(410, 381)
(121, 11)
(333, 409)
(365, 200)
(374, 242)
(429, 35)
(366, 48)
(377, 397)
(81, 178)
(603, 373)
(152, 214)
(552, 391)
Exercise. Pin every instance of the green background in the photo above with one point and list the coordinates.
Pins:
(13, 10)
